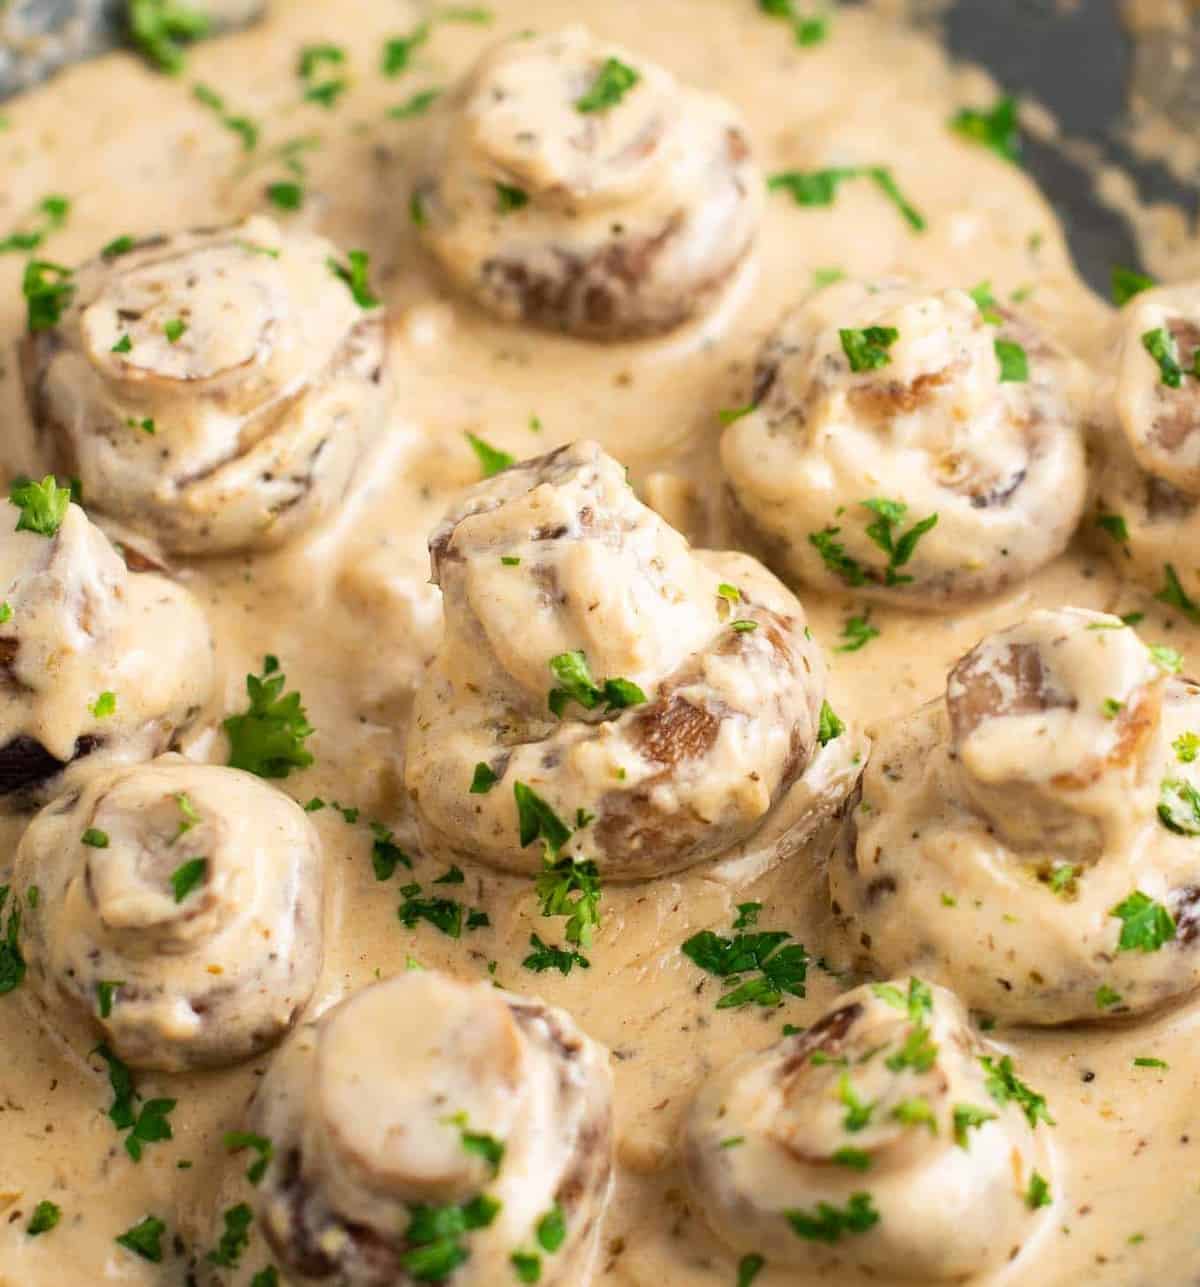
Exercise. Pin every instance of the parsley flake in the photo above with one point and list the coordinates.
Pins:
(491, 459)
(996, 127)
(43, 505)
(1145, 924)
(268, 738)
(613, 81)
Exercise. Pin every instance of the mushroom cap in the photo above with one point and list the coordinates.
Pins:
(849, 1142)
(195, 890)
(923, 476)
(212, 390)
(1002, 834)
(609, 222)
(81, 624)
(422, 1094)
(1147, 506)
(719, 683)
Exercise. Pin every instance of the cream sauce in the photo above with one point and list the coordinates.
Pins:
(349, 614)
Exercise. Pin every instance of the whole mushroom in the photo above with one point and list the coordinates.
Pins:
(425, 1130)
(886, 1138)
(213, 391)
(1031, 841)
(605, 690)
(912, 445)
(178, 910)
(574, 185)
(99, 664)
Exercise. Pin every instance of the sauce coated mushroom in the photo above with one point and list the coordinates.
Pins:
(98, 664)
(213, 390)
(886, 1137)
(599, 677)
(1032, 840)
(577, 186)
(178, 910)
(426, 1130)
(1148, 502)
(912, 445)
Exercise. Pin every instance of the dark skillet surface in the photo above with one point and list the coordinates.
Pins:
(1078, 64)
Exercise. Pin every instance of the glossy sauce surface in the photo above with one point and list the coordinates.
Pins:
(349, 613)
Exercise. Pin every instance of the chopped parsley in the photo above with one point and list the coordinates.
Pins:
(355, 275)
(188, 876)
(117, 247)
(484, 779)
(777, 970)
(417, 105)
(1014, 362)
(144, 1239)
(151, 1126)
(161, 28)
(237, 1141)
(1038, 1193)
(1115, 526)
(235, 1238)
(749, 1267)
(537, 820)
(857, 632)
(12, 960)
(1147, 1061)
(124, 345)
(246, 129)
(855, 1159)
(985, 301)
(968, 1117)
(312, 57)
(917, 1001)
(54, 210)
(867, 350)
(1175, 596)
(106, 991)
(510, 198)
(491, 460)
(286, 195)
(571, 889)
(445, 914)
(327, 92)
(43, 505)
(398, 52)
(830, 726)
(996, 127)
(919, 1051)
(544, 957)
(94, 838)
(1126, 284)
(1179, 803)
(828, 1223)
(613, 81)
(916, 1112)
(46, 1216)
(436, 1236)
(858, 1111)
(386, 854)
(1107, 997)
(1186, 746)
(1005, 1086)
(1145, 924)
(577, 685)
(820, 188)
(728, 415)
(48, 289)
(268, 738)
(883, 531)
(487, 1147)
(1161, 346)
(120, 1112)
(104, 705)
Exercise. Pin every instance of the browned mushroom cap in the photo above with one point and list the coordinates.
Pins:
(632, 701)
(179, 911)
(907, 444)
(428, 1130)
(878, 1139)
(576, 186)
(97, 663)
(1031, 840)
(211, 390)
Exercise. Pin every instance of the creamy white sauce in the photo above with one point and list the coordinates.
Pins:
(348, 612)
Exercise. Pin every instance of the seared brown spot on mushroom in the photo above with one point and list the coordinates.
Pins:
(674, 730)
(826, 1035)
(883, 400)
(1013, 681)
